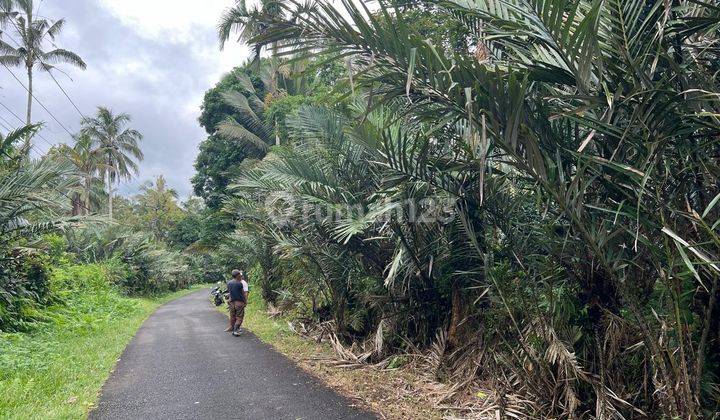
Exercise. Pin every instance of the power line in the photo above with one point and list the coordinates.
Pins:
(13, 113)
(6, 121)
(67, 96)
(5, 127)
(37, 100)
(50, 72)
(23, 122)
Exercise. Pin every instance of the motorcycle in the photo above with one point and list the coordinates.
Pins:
(218, 295)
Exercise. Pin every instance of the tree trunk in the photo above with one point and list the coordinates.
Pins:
(86, 197)
(30, 96)
(76, 205)
(29, 64)
(110, 202)
(457, 315)
(110, 196)
(28, 119)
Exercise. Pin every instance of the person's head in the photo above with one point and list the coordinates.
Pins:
(237, 274)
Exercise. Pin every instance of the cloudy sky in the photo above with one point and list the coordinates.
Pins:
(153, 59)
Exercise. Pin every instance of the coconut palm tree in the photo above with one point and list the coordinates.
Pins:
(248, 23)
(33, 34)
(117, 145)
(87, 160)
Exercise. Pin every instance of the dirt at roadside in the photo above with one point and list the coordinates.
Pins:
(392, 394)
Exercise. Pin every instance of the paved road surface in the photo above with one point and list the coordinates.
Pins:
(180, 365)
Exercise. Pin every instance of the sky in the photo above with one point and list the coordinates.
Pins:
(152, 59)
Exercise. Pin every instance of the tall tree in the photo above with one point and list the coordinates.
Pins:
(158, 208)
(118, 146)
(87, 161)
(248, 23)
(32, 36)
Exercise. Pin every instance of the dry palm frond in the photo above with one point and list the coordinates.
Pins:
(436, 354)
(273, 311)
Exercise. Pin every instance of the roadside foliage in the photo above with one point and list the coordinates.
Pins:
(527, 191)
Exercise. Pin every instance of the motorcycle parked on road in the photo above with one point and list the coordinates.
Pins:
(218, 295)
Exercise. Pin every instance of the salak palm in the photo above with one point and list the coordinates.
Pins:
(32, 203)
(608, 112)
(118, 146)
(7, 142)
(250, 124)
(32, 192)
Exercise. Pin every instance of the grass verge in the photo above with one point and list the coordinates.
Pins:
(388, 393)
(57, 371)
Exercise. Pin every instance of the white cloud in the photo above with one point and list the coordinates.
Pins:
(179, 21)
(169, 19)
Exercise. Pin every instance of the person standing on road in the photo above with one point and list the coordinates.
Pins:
(238, 296)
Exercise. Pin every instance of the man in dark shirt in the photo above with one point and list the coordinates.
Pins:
(238, 290)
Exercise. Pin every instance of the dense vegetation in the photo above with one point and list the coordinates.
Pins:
(53, 216)
(525, 191)
(80, 266)
(58, 211)
(530, 189)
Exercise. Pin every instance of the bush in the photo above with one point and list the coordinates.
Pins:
(89, 289)
(146, 266)
(35, 282)
(23, 286)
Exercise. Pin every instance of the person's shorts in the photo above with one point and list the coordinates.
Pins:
(236, 307)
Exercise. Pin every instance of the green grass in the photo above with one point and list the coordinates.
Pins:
(266, 328)
(56, 371)
(274, 331)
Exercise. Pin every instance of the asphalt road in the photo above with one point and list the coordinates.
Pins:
(181, 365)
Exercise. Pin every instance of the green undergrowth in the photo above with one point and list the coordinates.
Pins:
(273, 330)
(56, 369)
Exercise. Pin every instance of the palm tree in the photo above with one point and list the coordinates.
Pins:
(87, 161)
(7, 141)
(33, 34)
(248, 23)
(32, 199)
(32, 202)
(117, 146)
(248, 125)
